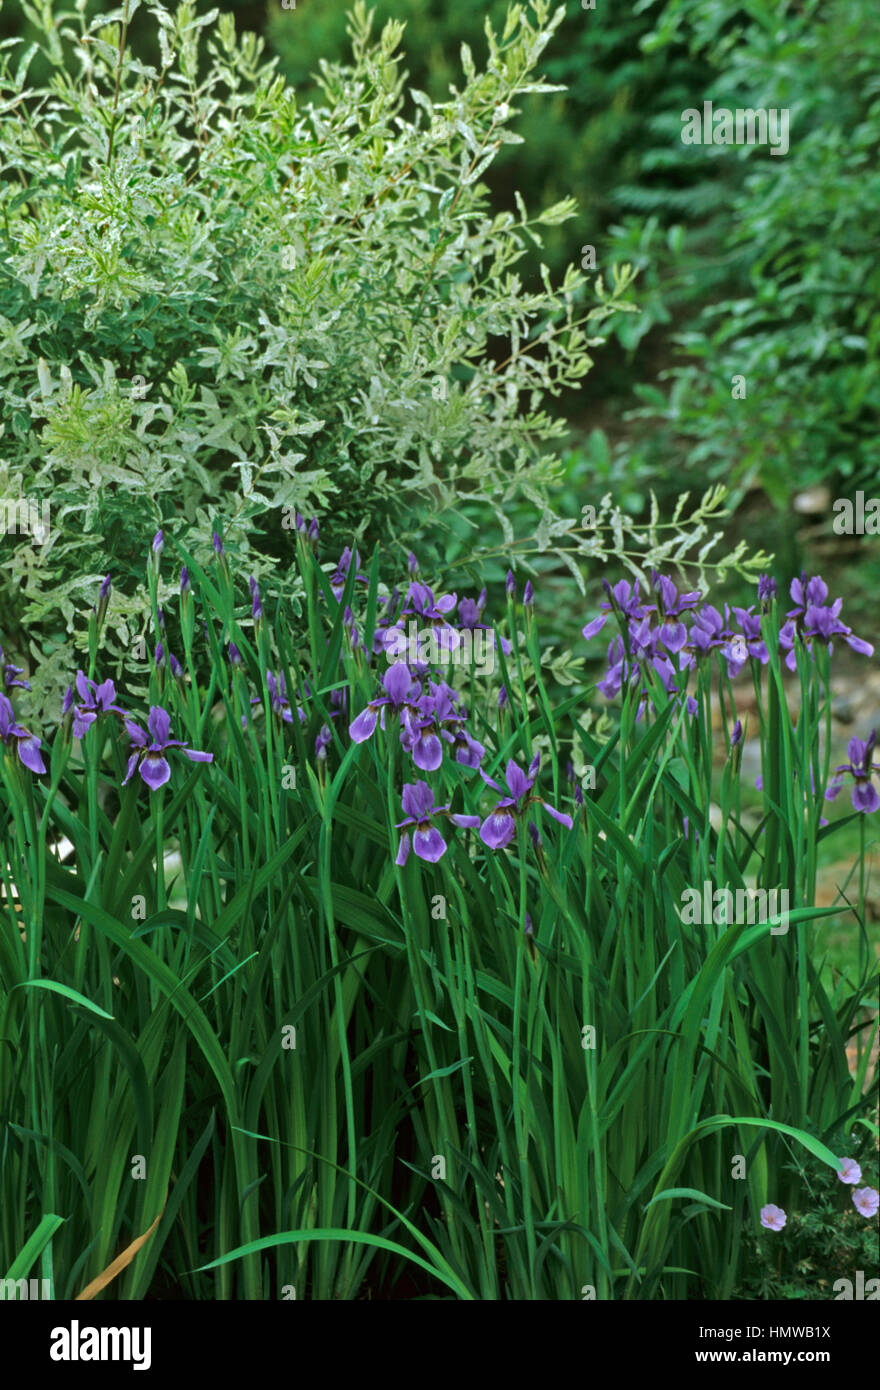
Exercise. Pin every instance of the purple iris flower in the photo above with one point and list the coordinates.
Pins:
(736, 653)
(94, 700)
(398, 683)
(176, 668)
(813, 618)
(644, 640)
(618, 668)
(351, 628)
(594, 627)
(26, 744)
(623, 599)
(469, 615)
(806, 591)
(11, 674)
(337, 582)
(148, 757)
(626, 597)
(419, 738)
(570, 774)
(418, 803)
(787, 635)
(499, 828)
(751, 630)
(385, 607)
(158, 543)
(185, 585)
(100, 610)
(766, 590)
(860, 767)
(217, 543)
(468, 750)
(419, 715)
(256, 605)
(709, 631)
(528, 595)
(235, 655)
(322, 743)
(665, 670)
(825, 623)
(736, 736)
(510, 585)
(642, 650)
(627, 660)
(278, 698)
(441, 701)
(313, 531)
(671, 604)
(412, 564)
(420, 602)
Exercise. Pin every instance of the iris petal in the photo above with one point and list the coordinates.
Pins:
(497, 830)
(29, 753)
(429, 844)
(155, 771)
(364, 726)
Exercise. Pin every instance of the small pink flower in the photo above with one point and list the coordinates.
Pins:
(866, 1200)
(773, 1218)
(849, 1170)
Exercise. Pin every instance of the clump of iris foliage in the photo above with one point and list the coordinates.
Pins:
(323, 970)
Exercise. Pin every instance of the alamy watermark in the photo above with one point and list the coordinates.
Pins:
(25, 516)
(856, 518)
(442, 646)
(867, 1289)
(25, 1290)
(75, 1343)
(744, 126)
(706, 904)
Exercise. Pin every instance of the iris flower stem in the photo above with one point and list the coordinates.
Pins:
(444, 1116)
(91, 757)
(40, 895)
(34, 930)
(241, 780)
(522, 1136)
(862, 819)
(339, 1011)
(307, 567)
(159, 825)
(460, 982)
(514, 637)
